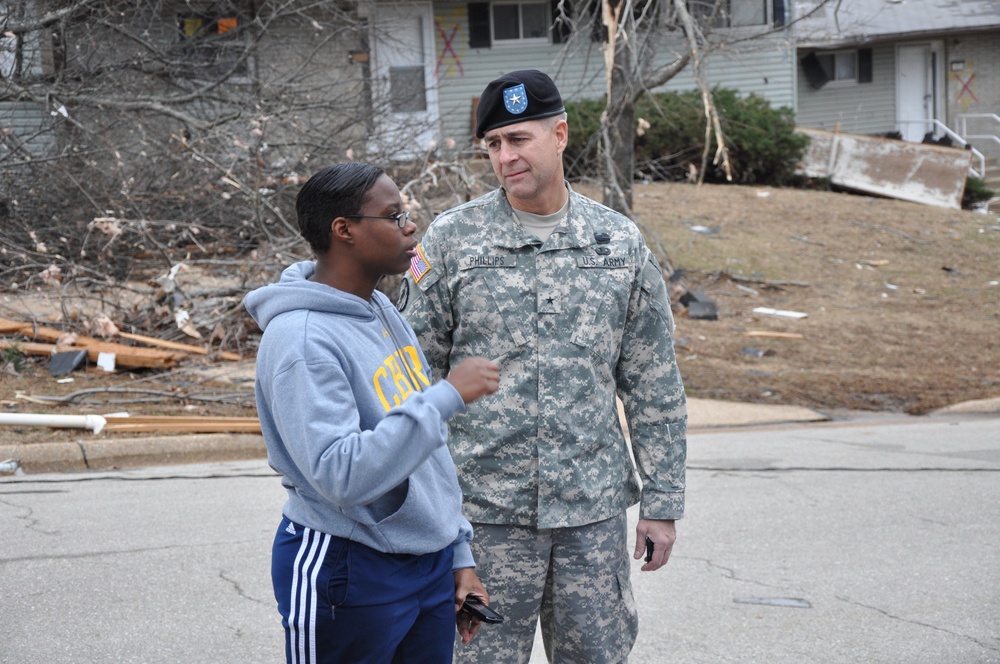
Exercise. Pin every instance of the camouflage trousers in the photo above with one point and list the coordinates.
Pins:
(575, 579)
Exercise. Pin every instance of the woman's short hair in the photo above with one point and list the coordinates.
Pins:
(337, 190)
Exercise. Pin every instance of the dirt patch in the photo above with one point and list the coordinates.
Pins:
(903, 300)
(902, 304)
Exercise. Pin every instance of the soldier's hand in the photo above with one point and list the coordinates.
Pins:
(663, 534)
(475, 377)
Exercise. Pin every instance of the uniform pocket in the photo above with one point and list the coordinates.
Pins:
(629, 616)
(601, 319)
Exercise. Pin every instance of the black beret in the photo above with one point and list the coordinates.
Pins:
(515, 97)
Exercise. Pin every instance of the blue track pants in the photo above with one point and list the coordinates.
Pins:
(341, 601)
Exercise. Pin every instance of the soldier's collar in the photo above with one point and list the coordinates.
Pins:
(575, 232)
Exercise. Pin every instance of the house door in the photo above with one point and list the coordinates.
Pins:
(915, 100)
(405, 97)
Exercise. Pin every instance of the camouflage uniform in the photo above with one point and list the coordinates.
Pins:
(571, 322)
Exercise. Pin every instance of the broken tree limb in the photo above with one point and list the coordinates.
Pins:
(155, 395)
(153, 341)
(765, 282)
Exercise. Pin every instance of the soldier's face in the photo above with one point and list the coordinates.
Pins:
(527, 159)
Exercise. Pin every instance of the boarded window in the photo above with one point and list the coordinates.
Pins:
(213, 46)
(407, 90)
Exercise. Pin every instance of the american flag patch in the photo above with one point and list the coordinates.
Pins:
(419, 265)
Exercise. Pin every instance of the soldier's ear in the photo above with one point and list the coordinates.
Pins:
(561, 131)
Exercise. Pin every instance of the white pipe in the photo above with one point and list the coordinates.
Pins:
(93, 422)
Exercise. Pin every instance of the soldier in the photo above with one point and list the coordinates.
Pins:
(568, 299)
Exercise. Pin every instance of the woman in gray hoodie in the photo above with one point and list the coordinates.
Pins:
(371, 560)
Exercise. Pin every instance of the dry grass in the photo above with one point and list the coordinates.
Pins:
(902, 299)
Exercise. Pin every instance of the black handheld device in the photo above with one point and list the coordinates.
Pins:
(474, 606)
(649, 550)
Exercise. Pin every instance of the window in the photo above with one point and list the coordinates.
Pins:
(30, 55)
(408, 90)
(838, 66)
(521, 21)
(645, 13)
(738, 13)
(213, 45)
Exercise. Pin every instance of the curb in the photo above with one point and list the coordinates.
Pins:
(976, 407)
(709, 413)
(106, 453)
(113, 453)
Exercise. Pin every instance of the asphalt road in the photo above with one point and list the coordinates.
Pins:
(857, 542)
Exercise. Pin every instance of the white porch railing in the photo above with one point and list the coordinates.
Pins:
(992, 121)
(958, 139)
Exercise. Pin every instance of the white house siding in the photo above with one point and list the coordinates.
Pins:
(857, 108)
(973, 84)
(764, 67)
(306, 76)
(31, 128)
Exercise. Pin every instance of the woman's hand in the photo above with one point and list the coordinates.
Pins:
(475, 377)
(467, 582)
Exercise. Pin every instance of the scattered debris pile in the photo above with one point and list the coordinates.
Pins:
(68, 352)
(69, 348)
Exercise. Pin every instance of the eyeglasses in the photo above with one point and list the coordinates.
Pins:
(400, 217)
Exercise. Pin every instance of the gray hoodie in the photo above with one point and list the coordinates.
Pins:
(352, 422)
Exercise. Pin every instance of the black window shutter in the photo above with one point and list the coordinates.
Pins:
(479, 25)
(815, 74)
(865, 70)
(561, 20)
(778, 9)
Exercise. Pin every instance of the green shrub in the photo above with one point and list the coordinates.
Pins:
(12, 357)
(763, 145)
(581, 155)
(975, 193)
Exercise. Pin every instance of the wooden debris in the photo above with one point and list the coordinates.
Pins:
(779, 312)
(153, 341)
(126, 356)
(763, 282)
(776, 335)
(182, 424)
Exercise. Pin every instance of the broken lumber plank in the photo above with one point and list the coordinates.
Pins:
(10, 326)
(153, 341)
(777, 335)
(34, 331)
(182, 423)
(125, 356)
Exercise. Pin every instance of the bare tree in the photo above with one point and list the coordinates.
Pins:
(645, 53)
(140, 134)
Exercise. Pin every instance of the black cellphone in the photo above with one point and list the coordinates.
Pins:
(649, 550)
(474, 606)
